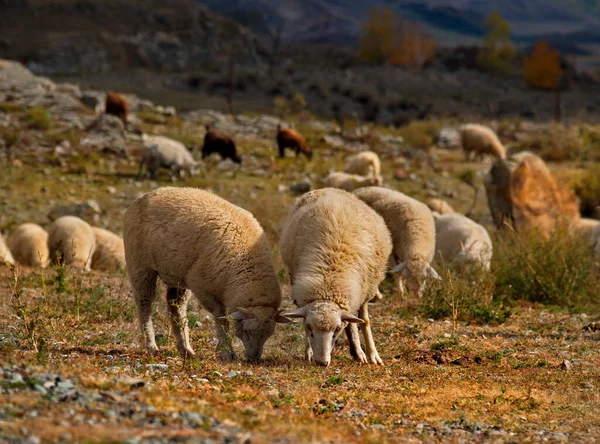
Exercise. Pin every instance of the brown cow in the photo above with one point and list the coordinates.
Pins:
(117, 105)
(289, 138)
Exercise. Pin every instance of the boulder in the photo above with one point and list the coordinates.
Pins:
(88, 210)
(523, 193)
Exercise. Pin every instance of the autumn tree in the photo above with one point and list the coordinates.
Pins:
(387, 39)
(541, 69)
(497, 52)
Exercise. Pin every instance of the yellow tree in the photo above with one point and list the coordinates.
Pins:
(414, 46)
(497, 51)
(378, 36)
(541, 69)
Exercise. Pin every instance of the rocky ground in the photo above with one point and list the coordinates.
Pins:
(71, 366)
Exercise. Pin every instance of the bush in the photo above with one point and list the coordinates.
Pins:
(587, 190)
(553, 270)
(558, 143)
(420, 134)
(39, 118)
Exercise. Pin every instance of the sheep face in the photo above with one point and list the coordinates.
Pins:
(253, 326)
(323, 323)
(414, 275)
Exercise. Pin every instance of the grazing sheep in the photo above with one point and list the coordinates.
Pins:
(117, 105)
(480, 140)
(71, 241)
(195, 240)
(459, 238)
(586, 227)
(110, 251)
(440, 206)
(29, 246)
(289, 138)
(413, 235)
(5, 255)
(217, 142)
(336, 249)
(596, 246)
(162, 152)
(350, 182)
(365, 163)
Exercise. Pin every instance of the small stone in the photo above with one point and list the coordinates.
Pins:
(566, 365)
(231, 374)
(248, 373)
(157, 367)
(65, 385)
(111, 190)
(378, 427)
(447, 335)
(282, 188)
(401, 175)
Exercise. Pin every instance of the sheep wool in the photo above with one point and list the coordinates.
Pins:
(336, 249)
(110, 251)
(162, 152)
(195, 240)
(480, 140)
(460, 238)
(365, 163)
(440, 206)
(5, 254)
(29, 245)
(412, 227)
(71, 240)
(351, 182)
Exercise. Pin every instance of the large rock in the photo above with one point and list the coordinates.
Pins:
(88, 210)
(523, 193)
(106, 134)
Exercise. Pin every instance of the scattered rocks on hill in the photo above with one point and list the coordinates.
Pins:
(88, 210)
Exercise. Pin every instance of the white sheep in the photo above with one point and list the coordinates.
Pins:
(365, 163)
(195, 240)
(162, 152)
(480, 140)
(440, 206)
(412, 227)
(110, 251)
(29, 245)
(336, 249)
(351, 182)
(587, 227)
(459, 238)
(71, 241)
(5, 254)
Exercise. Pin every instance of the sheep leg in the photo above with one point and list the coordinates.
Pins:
(372, 355)
(177, 300)
(308, 352)
(224, 345)
(281, 151)
(144, 292)
(354, 342)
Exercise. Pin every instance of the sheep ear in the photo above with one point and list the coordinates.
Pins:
(349, 317)
(433, 274)
(300, 313)
(281, 319)
(398, 268)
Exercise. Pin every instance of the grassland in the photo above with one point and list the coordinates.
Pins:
(448, 375)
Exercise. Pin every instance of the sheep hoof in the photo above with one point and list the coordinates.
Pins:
(187, 353)
(361, 357)
(375, 359)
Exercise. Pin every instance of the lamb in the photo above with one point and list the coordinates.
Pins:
(71, 241)
(480, 140)
(335, 248)
(289, 138)
(440, 206)
(365, 163)
(217, 142)
(117, 105)
(458, 238)
(163, 152)
(29, 245)
(5, 255)
(195, 240)
(351, 182)
(110, 251)
(412, 227)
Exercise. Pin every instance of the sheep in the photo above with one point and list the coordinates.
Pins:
(459, 238)
(5, 255)
(163, 152)
(480, 140)
(595, 242)
(195, 240)
(71, 241)
(289, 138)
(587, 227)
(365, 163)
(440, 206)
(350, 182)
(335, 248)
(412, 227)
(117, 105)
(217, 142)
(29, 245)
(110, 251)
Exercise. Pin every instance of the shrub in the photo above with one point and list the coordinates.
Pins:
(588, 191)
(420, 134)
(558, 143)
(555, 269)
(39, 118)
